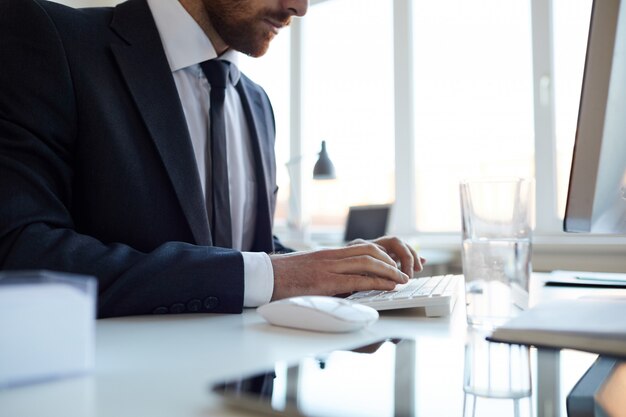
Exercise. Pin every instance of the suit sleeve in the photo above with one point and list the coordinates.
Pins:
(38, 127)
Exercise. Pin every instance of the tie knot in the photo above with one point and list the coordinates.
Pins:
(216, 71)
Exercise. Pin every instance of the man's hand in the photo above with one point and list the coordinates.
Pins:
(358, 267)
(399, 252)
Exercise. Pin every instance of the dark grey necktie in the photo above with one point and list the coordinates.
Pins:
(218, 196)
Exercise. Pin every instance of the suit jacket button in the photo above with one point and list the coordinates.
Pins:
(177, 308)
(194, 305)
(211, 302)
(160, 310)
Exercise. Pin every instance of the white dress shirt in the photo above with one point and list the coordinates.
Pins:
(186, 46)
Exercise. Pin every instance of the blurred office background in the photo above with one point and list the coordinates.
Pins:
(413, 95)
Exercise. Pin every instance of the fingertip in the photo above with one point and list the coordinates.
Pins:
(419, 264)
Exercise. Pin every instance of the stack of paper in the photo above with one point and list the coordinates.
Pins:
(592, 325)
(587, 279)
(46, 326)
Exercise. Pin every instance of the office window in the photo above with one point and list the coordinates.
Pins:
(271, 71)
(347, 99)
(570, 31)
(473, 100)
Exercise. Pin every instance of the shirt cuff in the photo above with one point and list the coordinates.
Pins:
(258, 279)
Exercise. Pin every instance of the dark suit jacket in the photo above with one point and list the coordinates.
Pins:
(97, 173)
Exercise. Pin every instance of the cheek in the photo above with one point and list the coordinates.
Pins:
(255, 32)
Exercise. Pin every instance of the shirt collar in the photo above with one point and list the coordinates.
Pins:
(184, 42)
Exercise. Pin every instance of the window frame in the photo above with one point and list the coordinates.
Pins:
(547, 220)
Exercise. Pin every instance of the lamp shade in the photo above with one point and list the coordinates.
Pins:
(324, 168)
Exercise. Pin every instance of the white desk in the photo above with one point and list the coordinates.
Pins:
(163, 366)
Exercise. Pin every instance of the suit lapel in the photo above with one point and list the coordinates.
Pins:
(252, 102)
(144, 67)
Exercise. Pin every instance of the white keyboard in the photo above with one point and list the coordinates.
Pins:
(437, 294)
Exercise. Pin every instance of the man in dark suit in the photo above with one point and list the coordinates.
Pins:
(104, 147)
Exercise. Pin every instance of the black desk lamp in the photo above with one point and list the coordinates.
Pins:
(324, 168)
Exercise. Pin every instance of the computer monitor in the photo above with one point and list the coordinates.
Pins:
(367, 222)
(596, 201)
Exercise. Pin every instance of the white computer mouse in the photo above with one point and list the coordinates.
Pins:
(319, 313)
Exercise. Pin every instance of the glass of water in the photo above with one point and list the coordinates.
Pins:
(496, 249)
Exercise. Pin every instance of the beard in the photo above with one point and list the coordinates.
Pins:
(242, 27)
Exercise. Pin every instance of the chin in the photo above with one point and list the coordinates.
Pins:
(254, 50)
(258, 52)
(254, 45)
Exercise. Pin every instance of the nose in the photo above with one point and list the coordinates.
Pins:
(296, 7)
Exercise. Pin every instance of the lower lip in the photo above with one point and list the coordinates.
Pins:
(273, 28)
